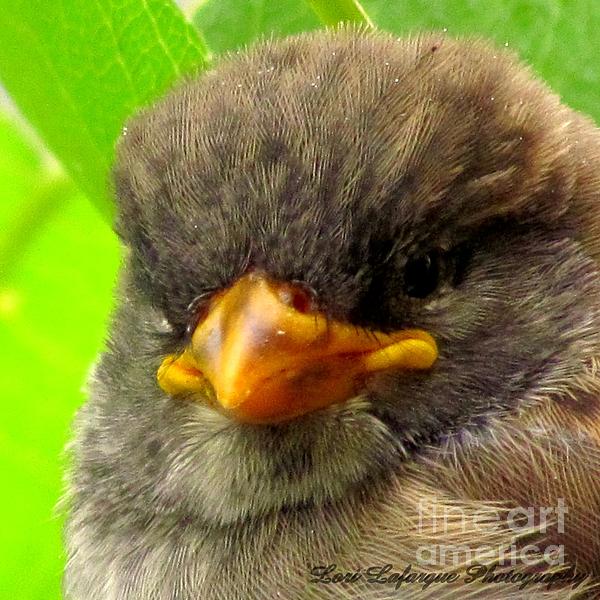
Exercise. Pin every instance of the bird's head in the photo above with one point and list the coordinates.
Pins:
(342, 249)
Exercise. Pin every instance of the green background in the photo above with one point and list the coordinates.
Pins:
(74, 71)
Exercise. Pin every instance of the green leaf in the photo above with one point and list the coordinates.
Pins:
(78, 68)
(557, 37)
(58, 262)
(332, 12)
(232, 24)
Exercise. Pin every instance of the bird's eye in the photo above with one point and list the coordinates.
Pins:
(421, 275)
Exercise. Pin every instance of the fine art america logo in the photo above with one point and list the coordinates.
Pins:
(440, 523)
(514, 560)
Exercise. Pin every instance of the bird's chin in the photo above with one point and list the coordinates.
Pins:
(226, 471)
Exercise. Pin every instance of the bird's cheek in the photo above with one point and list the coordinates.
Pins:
(263, 354)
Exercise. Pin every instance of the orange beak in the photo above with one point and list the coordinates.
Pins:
(262, 356)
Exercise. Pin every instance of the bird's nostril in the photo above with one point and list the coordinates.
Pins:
(301, 301)
(299, 296)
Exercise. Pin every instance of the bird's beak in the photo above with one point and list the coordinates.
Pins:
(262, 355)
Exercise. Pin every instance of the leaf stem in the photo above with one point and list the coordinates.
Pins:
(332, 12)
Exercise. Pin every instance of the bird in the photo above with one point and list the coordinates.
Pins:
(355, 351)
